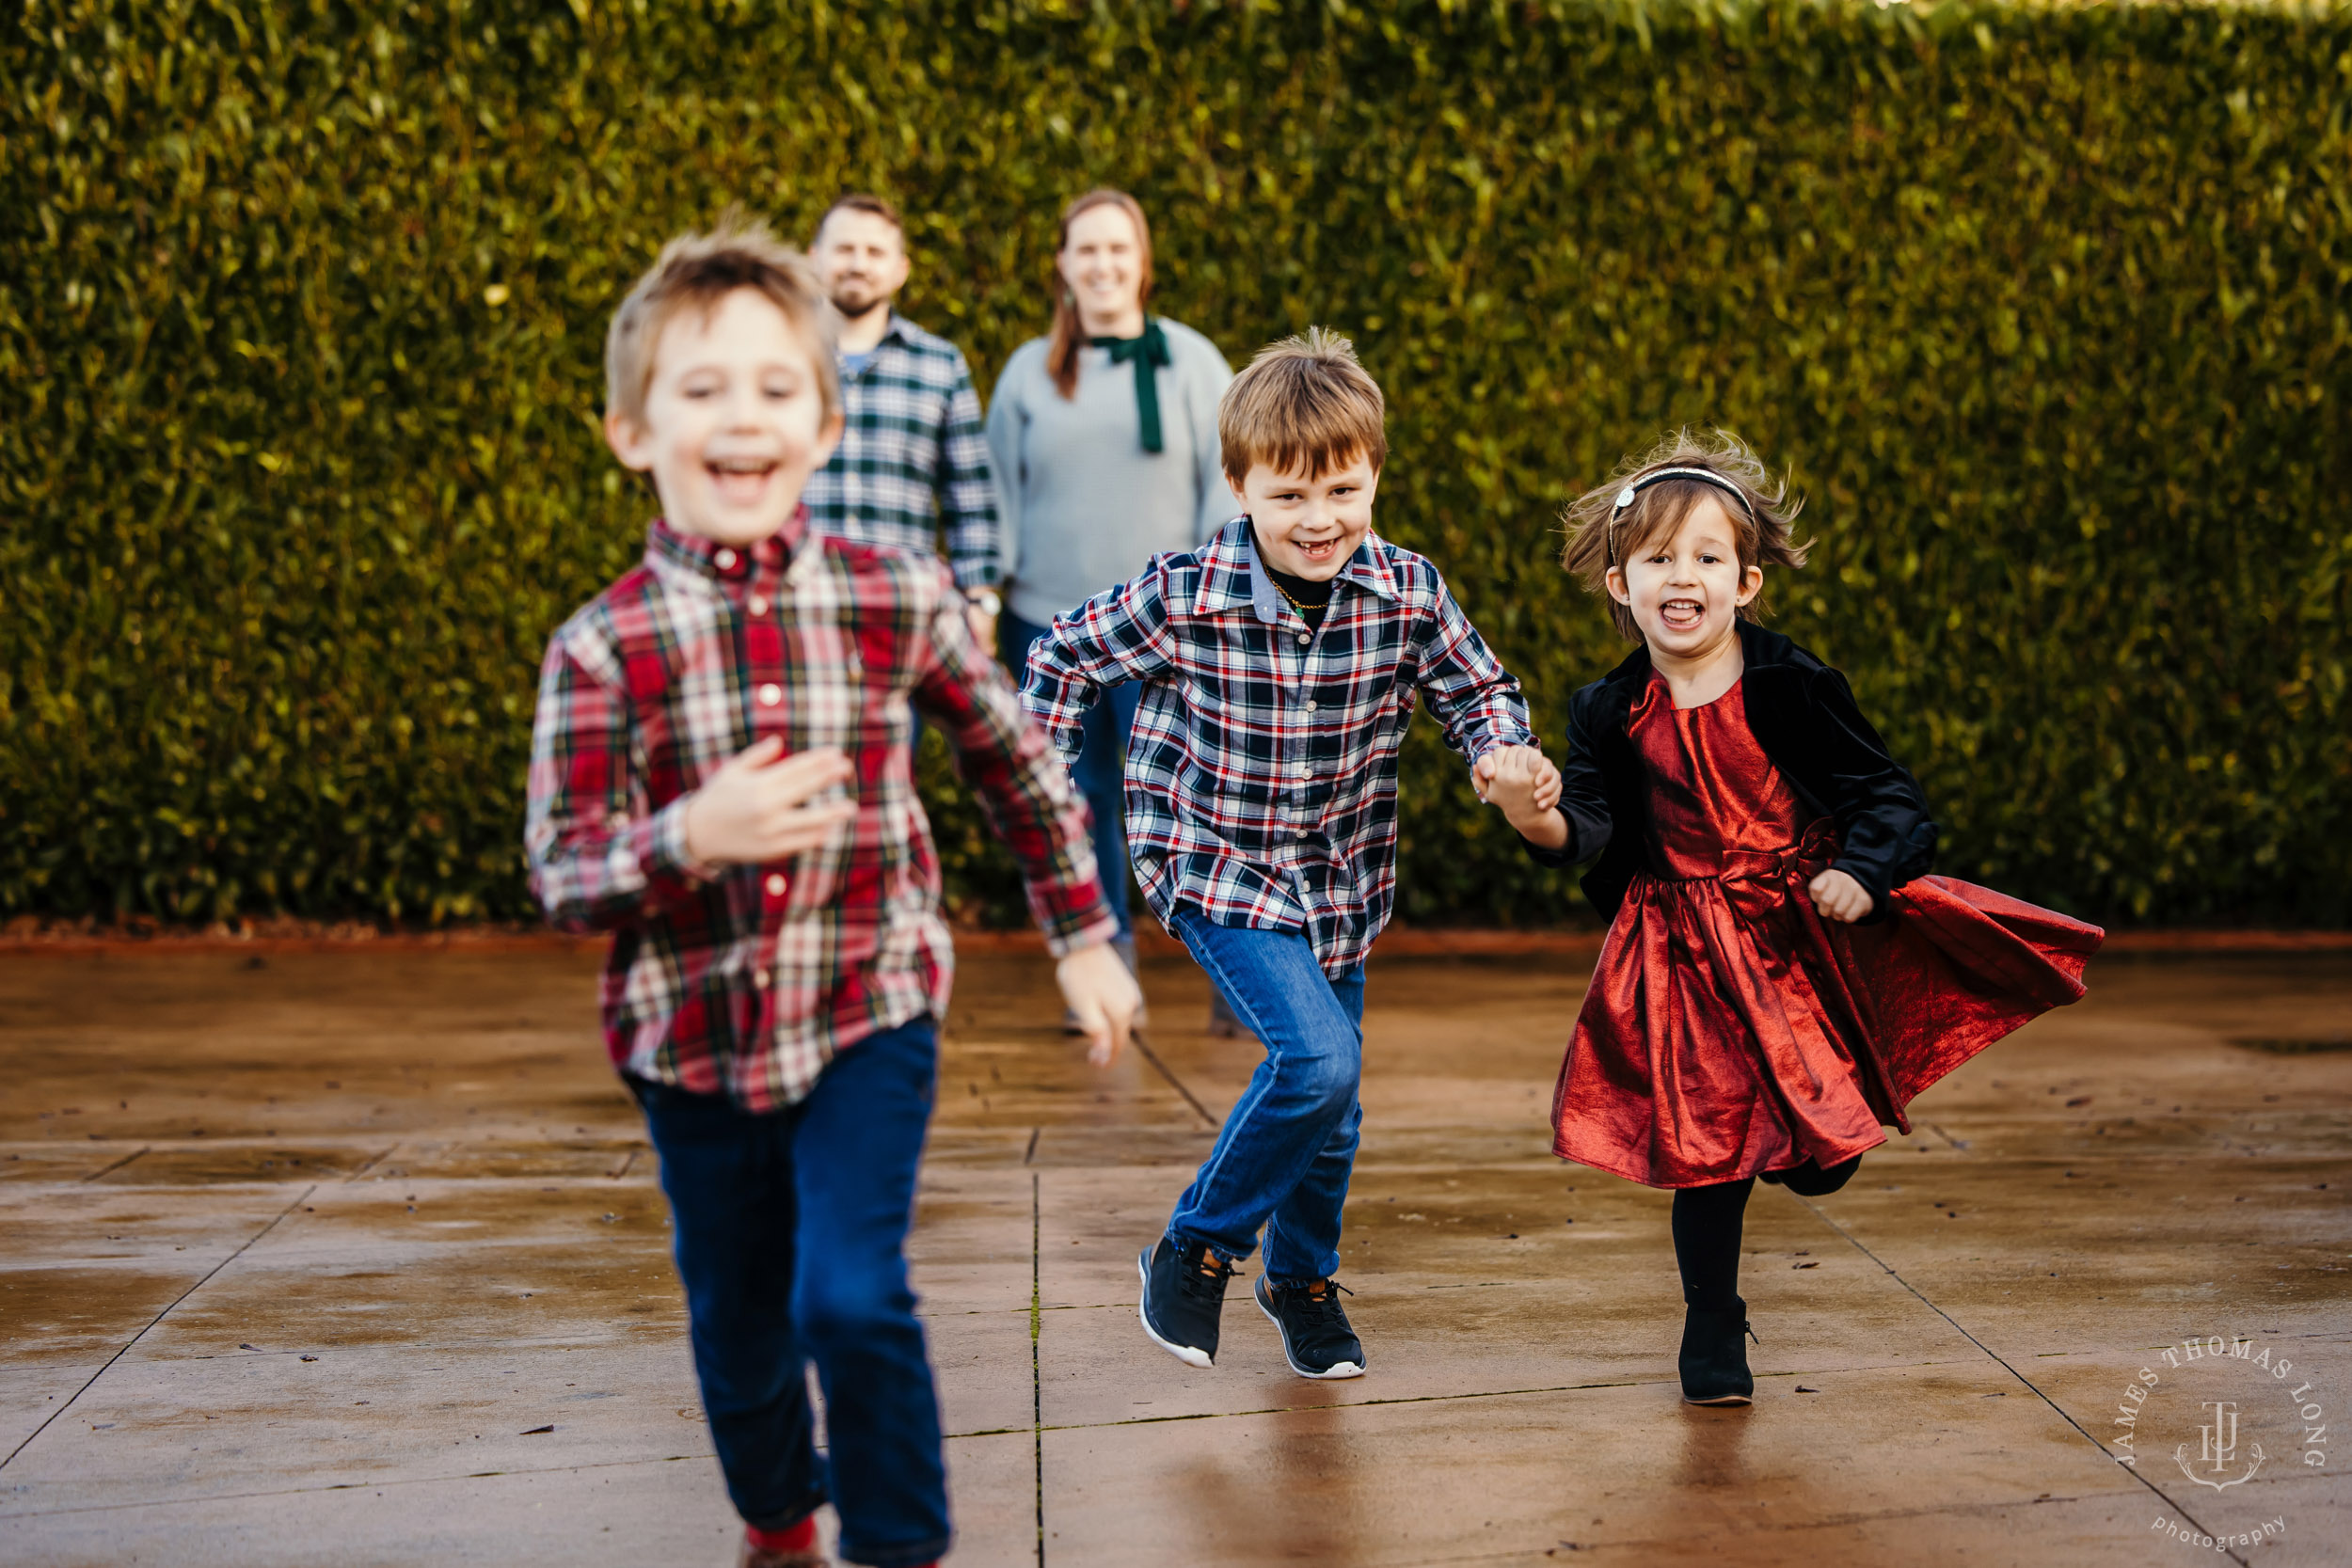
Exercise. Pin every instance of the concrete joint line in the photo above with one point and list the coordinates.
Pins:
(358, 1486)
(1173, 1082)
(1037, 1371)
(109, 1169)
(156, 1319)
(2001, 1361)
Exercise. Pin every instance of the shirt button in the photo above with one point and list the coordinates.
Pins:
(759, 979)
(758, 605)
(1303, 834)
(1305, 638)
(775, 884)
(1305, 771)
(771, 694)
(1311, 705)
(725, 560)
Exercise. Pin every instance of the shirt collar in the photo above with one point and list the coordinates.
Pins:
(898, 331)
(1232, 575)
(706, 558)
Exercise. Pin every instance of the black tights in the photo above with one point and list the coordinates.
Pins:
(1706, 1224)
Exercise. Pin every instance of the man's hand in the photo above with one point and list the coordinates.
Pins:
(1524, 782)
(1840, 897)
(983, 626)
(1095, 982)
(755, 807)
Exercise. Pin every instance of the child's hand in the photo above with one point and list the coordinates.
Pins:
(1105, 997)
(755, 807)
(1524, 782)
(1840, 897)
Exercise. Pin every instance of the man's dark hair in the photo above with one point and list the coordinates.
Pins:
(864, 201)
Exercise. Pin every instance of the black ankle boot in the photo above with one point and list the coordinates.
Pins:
(1714, 1358)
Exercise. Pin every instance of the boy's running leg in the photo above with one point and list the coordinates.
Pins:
(1296, 1102)
(728, 1177)
(1302, 1243)
(854, 1162)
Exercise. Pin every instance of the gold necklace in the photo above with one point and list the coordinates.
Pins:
(1296, 603)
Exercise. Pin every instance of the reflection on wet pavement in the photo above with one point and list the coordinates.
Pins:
(358, 1258)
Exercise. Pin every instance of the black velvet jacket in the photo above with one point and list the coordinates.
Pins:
(1803, 713)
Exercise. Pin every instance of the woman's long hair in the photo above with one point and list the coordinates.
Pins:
(1069, 336)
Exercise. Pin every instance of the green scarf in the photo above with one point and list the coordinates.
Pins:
(1149, 352)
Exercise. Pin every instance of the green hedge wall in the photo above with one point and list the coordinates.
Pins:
(301, 308)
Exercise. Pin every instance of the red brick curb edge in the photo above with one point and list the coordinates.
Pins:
(1398, 942)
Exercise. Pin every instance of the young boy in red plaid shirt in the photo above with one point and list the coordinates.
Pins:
(720, 777)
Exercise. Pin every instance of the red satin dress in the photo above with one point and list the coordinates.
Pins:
(1729, 1028)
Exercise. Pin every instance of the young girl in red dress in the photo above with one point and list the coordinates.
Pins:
(1782, 973)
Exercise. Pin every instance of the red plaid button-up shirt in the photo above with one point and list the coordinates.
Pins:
(746, 979)
(1262, 770)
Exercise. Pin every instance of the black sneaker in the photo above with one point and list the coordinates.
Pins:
(1183, 1295)
(1317, 1340)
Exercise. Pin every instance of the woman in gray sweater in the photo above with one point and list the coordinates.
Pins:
(1103, 434)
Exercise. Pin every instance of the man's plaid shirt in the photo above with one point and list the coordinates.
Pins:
(1262, 771)
(747, 979)
(913, 457)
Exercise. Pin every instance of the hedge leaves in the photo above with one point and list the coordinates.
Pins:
(301, 308)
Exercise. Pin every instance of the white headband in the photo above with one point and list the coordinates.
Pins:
(1705, 476)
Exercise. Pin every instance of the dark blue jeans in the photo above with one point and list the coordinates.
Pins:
(1283, 1157)
(1101, 770)
(791, 1231)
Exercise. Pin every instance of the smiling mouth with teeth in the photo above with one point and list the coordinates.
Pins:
(741, 478)
(1681, 612)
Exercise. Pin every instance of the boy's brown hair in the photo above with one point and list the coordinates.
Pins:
(1602, 533)
(698, 271)
(1304, 403)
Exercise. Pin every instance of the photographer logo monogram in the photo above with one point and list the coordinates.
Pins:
(2223, 1382)
(2221, 1411)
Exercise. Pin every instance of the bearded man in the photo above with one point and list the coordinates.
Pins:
(911, 469)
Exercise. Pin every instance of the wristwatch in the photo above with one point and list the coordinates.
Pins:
(986, 600)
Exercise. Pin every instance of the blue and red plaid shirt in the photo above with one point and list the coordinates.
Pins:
(746, 979)
(1262, 771)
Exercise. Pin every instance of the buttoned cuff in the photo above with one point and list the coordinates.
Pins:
(1087, 922)
(1492, 740)
(663, 849)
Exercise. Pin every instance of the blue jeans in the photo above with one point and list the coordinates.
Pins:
(1101, 770)
(1284, 1154)
(829, 1183)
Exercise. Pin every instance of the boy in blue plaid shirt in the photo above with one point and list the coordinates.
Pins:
(1281, 664)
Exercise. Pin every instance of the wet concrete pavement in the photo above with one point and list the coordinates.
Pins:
(356, 1257)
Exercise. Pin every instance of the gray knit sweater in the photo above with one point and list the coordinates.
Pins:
(1084, 506)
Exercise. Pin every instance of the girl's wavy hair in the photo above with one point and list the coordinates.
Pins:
(1600, 537)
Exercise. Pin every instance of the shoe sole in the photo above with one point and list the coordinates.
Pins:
(1722, 1400)
(1337, 1369)
(1185, 1354)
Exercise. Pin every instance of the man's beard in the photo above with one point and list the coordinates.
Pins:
(854, 304)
